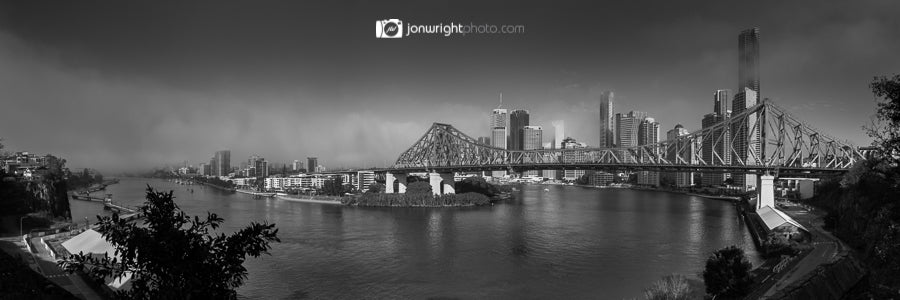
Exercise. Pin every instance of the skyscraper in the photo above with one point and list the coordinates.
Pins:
(518, 119)
(720, 101)
(223, 162)
(532, 137)
(748, 60)
(648, 133)
(311, 164)
(607, 120)
(687, 151)
(747, 136)
(484, 140)
(559, 133)
(627, 130)
(499, 133)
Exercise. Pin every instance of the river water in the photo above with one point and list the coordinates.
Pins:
(562, 242)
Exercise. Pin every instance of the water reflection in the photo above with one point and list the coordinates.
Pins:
(567, 242)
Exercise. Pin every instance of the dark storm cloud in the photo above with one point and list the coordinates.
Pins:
(115, 83)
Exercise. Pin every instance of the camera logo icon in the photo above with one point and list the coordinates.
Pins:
(389, 29)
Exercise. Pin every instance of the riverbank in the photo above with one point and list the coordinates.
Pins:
(217, 187)
(254, 193)
(95, 187)
(310, 199)
(417, 200)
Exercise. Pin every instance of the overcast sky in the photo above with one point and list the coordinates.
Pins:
(125, 84)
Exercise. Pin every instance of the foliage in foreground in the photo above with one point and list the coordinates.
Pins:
(674, 287)
(417, 200)
(727, 273)
(862, 206)
(174, 256)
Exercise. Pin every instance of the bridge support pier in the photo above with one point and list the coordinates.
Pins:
(766, 194)
(389, 179)
(441, 183)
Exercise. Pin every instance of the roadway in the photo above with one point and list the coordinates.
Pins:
(45, 265)
(825, 248)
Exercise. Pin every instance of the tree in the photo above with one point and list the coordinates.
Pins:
(418, 187)
(475, 184)
(727, 273)
(886, 131)
(174, 256)
(375, 188)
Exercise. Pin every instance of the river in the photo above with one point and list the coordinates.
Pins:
(562, 242)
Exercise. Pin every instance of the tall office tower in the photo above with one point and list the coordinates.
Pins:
(499, 118)
(498, 140)
(559, 133)
(748, 60)
(720, 100)
(648, 133)
(627, 129)
(484, 140)
(311, 164)
(572, 157)
(687, 149)
(295, 166)
(213, 166)
(518, 119)
(747, 137)
(532, 139)
(499, 132)
(202, 169)
(607, 120)
(223, 162)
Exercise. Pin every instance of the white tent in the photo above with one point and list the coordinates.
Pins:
(92, 242)
(773, 218)
(89, 242)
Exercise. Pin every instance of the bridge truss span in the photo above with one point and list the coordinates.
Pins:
(762, 138)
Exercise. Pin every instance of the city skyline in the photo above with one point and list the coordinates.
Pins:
(155, 93)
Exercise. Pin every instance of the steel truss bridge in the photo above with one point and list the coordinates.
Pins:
(761, 139)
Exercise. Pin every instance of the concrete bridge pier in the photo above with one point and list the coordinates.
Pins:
(441, 183)
(766, 191)
(389, 179)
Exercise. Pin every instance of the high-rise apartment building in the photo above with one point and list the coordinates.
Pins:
(748, 60)
(518, 119)
(311, 164)
(607, 120)
(223, 162)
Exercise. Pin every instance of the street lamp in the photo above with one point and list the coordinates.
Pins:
(20, 226)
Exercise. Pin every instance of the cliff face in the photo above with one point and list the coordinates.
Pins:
(47, 195)
(50, 195)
